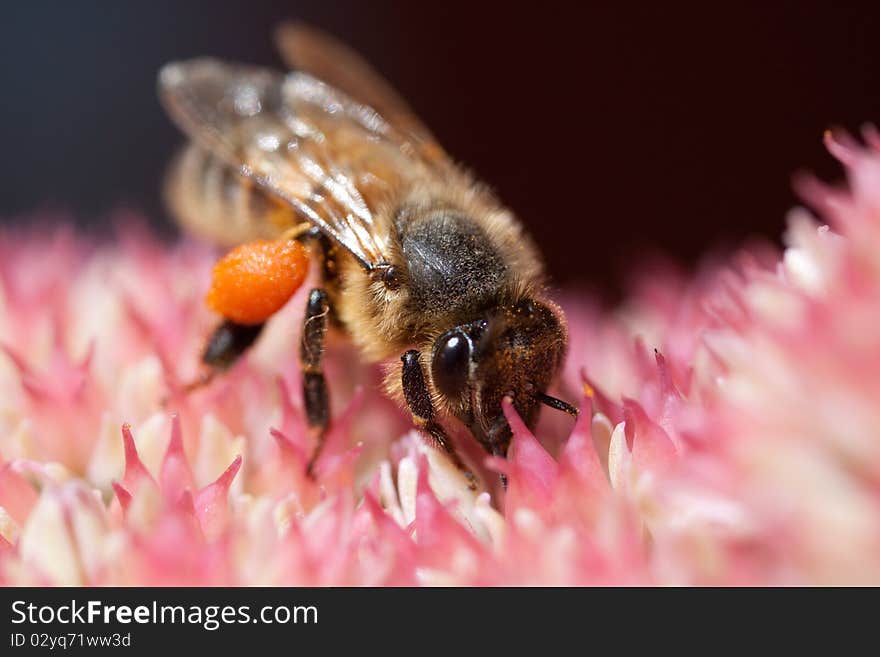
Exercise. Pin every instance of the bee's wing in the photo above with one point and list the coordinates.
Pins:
(311, 51)
(330, 158)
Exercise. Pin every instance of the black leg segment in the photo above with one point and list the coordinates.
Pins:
(311, 356)
(228, 342)
(418, 400)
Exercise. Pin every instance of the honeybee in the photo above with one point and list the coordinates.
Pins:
(420, 261)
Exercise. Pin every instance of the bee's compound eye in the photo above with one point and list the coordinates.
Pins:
(451, 363)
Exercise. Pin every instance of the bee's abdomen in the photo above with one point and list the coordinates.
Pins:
(211, 200)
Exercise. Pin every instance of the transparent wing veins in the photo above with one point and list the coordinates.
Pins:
(287, 135)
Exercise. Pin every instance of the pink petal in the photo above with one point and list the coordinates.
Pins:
(439, 534)
(289, 449)
(534, 470)
(667, 387)
(136, 473)
(292, 422)
(333, 455)
(651, 447)
(17, 495)
(389, 530)
(122, 495)
(579, 455)
(175, 475)
(211, 502)
(600, 401)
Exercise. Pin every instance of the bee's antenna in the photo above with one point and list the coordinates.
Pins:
(558, 404)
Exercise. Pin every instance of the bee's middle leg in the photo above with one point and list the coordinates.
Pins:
(311, 355)
(418, 400)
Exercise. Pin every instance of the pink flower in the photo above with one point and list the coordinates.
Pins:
(729, 431)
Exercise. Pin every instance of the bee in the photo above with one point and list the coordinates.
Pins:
(422, 267)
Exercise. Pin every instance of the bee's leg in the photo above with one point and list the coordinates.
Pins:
(228, 342)
(311, 355)
(226, 345)
(418, 400)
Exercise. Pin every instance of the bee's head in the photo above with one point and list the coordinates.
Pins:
(514, 351)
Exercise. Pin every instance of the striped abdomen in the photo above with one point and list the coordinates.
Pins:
(212, 201)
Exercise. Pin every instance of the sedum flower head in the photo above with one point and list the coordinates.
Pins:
(729, 431)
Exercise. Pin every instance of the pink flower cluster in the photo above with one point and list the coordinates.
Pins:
(730, 431)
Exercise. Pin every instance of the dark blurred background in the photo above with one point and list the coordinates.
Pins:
(611, 129)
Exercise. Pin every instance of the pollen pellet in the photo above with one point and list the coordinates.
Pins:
(256, 279)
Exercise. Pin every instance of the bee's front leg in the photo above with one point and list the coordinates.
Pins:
(311, 355)
(418, 400)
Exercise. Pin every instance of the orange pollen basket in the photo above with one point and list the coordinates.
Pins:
(254, 280)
